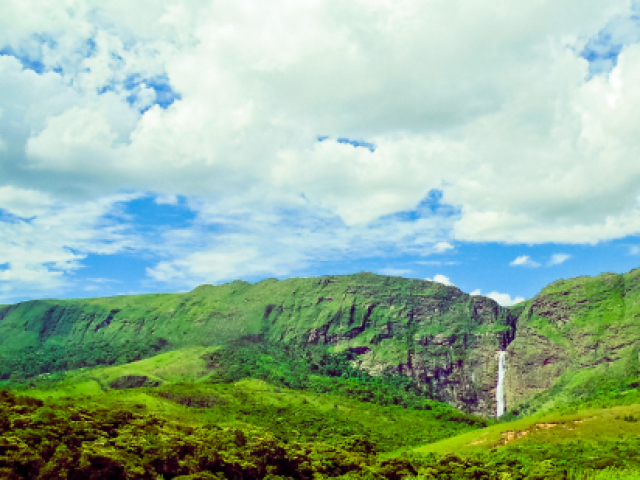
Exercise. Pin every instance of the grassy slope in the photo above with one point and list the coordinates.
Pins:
(292, 415)
(434, 333)
(573, 410)
(587, 424)
(213, 315)
(597, 444)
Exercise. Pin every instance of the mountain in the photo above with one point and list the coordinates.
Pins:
(444, 341)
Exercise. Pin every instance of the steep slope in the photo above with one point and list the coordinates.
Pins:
(573, 336)
(447, 341)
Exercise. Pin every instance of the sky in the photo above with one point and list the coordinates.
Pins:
(155, 145)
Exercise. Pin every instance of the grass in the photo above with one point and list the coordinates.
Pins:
(607, 474)
(589, 424)
(290, 414)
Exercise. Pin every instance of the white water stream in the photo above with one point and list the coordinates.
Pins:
(502, 369)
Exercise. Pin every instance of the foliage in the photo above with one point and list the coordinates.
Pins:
(48, 440)
(57, 440)
(315, 369)
(52, 358)
(590, 388)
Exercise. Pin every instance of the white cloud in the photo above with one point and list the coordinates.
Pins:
(441, 279)
(22, 202)
(442, 247)
(224, 245)
(167, 200)
(559, 258)
(41, 254)
(634, 250)
(496, 111)
(503, 299)
(524, 261)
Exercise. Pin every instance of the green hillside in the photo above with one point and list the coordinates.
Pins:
(576, 341)
(164, 415)
(442, 339)
(358, 376)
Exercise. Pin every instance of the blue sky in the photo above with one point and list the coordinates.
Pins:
(156, 145)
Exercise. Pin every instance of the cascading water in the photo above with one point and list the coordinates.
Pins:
(502, 369)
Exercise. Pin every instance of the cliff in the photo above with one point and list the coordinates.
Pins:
(587, 325)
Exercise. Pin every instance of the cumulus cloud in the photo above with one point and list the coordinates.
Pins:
(23, 203)
(223, 102)
(441, 279)
(524, 261)
(559, 258)
(503, 299)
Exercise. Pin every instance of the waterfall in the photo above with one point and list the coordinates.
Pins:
(502, 369)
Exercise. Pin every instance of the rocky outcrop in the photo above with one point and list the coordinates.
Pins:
(133, 381)
(573, 325)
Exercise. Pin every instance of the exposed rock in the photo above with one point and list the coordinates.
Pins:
(133, 381)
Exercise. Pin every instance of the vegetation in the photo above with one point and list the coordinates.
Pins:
(52, 358)
(58, 438)
(315, 369)
(312, 379)
(379, 321)
(208, 398)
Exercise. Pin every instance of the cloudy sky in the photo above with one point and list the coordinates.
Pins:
(154, 145)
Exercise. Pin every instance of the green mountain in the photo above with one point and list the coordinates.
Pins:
(331, 377)
(575, 341)
(442, 340)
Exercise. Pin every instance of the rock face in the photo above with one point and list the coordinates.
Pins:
(573, 325)
(444, 339)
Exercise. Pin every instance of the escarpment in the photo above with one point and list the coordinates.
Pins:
(573, 325)
(447, 341)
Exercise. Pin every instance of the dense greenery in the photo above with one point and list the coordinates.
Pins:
(48, 440)
(272, 381)
(51, 358)
(394, 324)
(45, 440)
(315, 369)
(576, 342)
(310, 417)
(597, 387)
